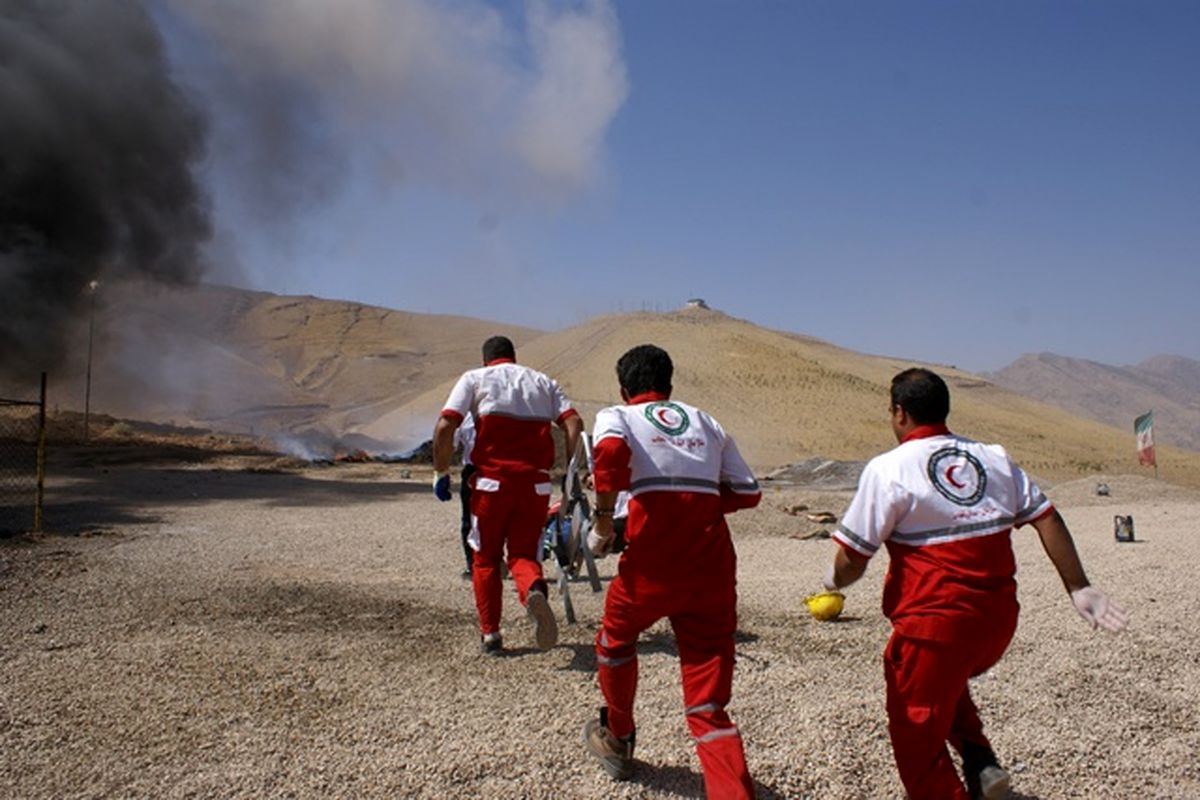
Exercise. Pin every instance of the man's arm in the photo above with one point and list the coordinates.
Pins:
(601, 537)
(573, 425)
(739, 489)
(872, 515)
(1060, 547)
(443, 449)
(1092, 604)
(458, 405)
(611, 475)
(845, 569)
(443, 442)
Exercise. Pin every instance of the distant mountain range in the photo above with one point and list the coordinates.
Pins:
(1167, 385)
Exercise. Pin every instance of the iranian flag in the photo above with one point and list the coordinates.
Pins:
(1143, 427)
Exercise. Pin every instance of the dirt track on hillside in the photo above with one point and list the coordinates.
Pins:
(204, 630)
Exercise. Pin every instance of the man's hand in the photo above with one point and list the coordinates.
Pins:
(601, 536)
(829, 583)
(1100, 612)
(441, 486)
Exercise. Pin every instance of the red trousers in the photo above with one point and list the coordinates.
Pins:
(929, 703)
(506, 515)
(703, 615)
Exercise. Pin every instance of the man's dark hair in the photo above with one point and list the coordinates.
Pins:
(922, 394)
(645, 368)
(498, 347)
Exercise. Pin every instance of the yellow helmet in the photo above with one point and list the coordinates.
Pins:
(826, 605)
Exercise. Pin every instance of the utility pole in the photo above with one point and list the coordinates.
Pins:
(87, 392)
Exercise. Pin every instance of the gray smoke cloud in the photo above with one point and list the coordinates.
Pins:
(107, 162)
(442, 93)
(97, 154)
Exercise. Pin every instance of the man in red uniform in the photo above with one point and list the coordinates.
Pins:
(513, 407)
(684, 474)
(945, 506)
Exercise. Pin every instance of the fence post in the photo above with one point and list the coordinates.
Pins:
(41, 459)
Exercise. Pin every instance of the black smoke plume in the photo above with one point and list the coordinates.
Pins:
(97, 151)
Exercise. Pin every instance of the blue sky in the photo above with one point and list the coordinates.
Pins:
(951, 182)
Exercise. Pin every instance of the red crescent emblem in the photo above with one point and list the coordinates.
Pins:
(662, 415)
(950, 477)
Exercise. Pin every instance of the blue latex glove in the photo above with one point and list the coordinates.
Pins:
(441, 486)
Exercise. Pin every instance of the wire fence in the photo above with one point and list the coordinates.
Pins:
(22, 462)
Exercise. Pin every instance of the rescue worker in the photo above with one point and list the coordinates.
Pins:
(464, 439)
(945, 506)
(684, 473)
(513, 407)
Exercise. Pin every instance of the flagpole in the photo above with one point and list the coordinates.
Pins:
(1155, 449)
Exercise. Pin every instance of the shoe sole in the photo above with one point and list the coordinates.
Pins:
(617, 768)
(545, 626)
(994, 783)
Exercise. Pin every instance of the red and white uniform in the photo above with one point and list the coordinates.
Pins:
(684, 473)
(513, 407)
(945, 507)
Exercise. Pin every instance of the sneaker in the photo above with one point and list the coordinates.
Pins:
(466, 574)
(545, 627)
(994, 783)
(986, 779)
(490, 644)
(615, 755)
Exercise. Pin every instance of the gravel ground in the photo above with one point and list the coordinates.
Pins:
(231, 633)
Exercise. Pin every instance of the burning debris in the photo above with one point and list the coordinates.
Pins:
(418, 455)
(317, 447)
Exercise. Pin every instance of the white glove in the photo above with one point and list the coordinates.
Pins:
(829, 583)
(1100, 612)
(598, 544)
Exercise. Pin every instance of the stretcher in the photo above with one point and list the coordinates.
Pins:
(564, 539)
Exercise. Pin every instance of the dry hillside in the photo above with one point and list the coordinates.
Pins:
(787, 397)
(1168, 385)
(239, 360)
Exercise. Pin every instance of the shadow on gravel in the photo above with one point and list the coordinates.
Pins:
(583, 657)
(681, 780)
(318, 608)
(96, 498)
(764, 792)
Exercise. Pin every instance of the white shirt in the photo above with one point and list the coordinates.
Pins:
(675, 447)
(464, 437)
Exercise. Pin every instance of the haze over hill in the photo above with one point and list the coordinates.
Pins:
(299, 369)
(321, 376)
(1168, 385)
